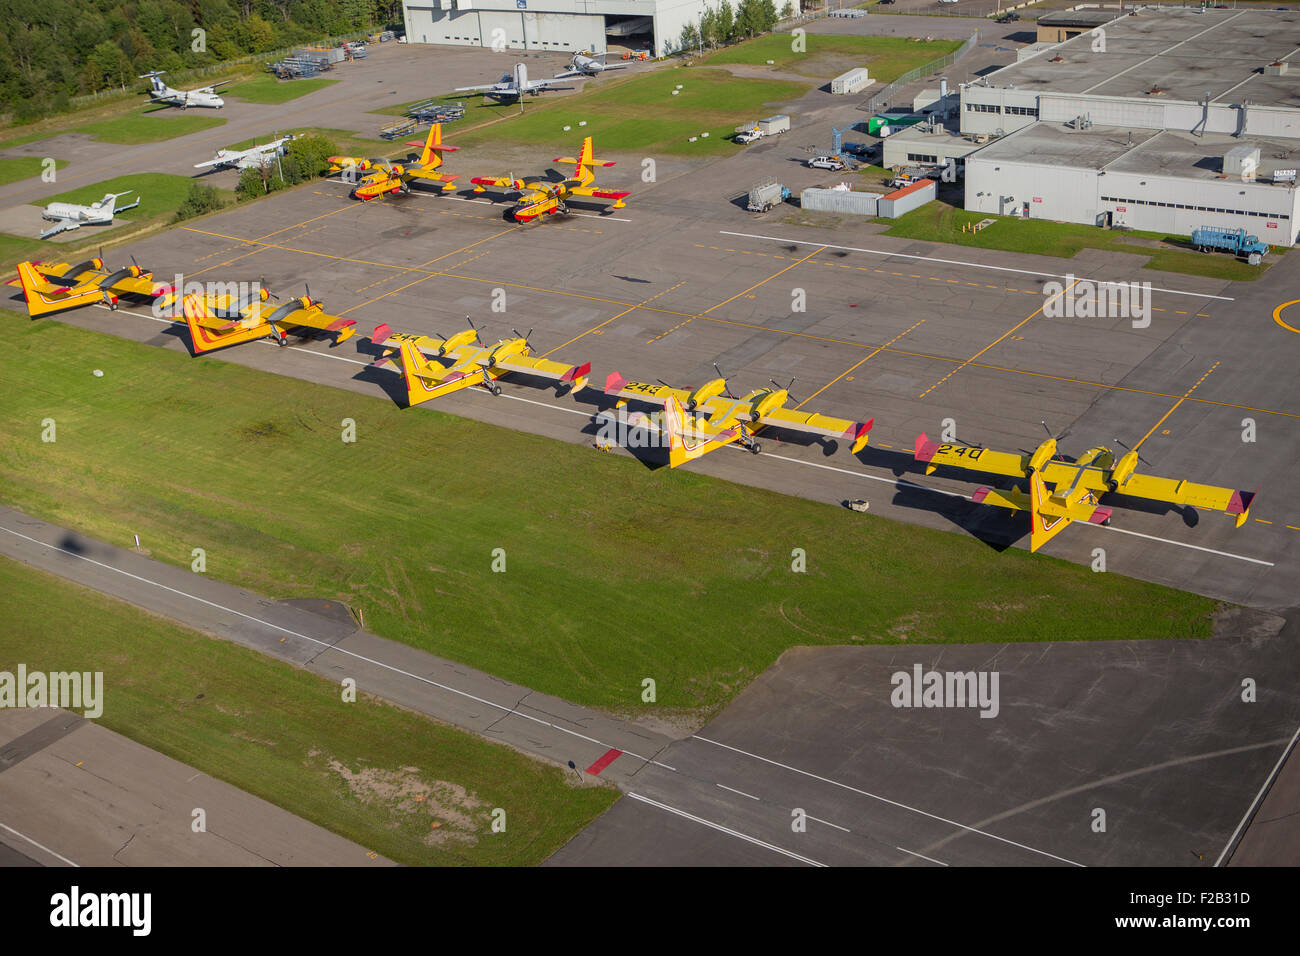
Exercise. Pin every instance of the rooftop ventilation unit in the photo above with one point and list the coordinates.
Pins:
(1240, 157)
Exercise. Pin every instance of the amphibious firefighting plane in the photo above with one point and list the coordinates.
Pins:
(462, 360)
(513, 85)
(547, 198)
(160, 92)
(217, 320)
(391, 177)
(586, 64)
(70, 215)
(52, 287)
(1077, 487)
(701, 420)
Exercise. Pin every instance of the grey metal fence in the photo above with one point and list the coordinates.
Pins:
(880, 99)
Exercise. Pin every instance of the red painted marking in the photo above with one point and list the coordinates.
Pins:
(609, 757)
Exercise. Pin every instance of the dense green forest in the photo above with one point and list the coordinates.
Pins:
(53, 50)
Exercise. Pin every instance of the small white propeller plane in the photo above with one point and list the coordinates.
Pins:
(160, 92)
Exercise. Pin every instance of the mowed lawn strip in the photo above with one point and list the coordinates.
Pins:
(614, 572)
(394, 781)
(940, 222)
(825, 56)
(153, 126)
(637, 113)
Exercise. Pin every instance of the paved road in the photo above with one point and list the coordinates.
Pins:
(73, 793)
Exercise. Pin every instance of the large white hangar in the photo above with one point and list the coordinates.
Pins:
(552, 26)
(1162, 120)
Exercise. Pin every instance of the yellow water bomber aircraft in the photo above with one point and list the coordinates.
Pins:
(700, 420)
(1077, 487)
(439, 366)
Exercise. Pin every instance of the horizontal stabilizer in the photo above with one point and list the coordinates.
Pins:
(381, 333)
(614, 383)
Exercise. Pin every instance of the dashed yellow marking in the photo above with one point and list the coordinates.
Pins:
(1166, 415)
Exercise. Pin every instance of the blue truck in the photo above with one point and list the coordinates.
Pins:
(1236, 241)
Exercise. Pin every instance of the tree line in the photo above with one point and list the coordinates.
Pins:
(721, 25)
(54, 50)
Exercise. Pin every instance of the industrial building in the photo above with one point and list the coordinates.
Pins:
(551, 26)
(1161, 120)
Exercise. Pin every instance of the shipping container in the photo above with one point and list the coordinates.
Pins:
(892, 205)
(840, 200)
(851, 82)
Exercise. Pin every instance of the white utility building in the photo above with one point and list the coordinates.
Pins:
(552, 26)
(1161, 120)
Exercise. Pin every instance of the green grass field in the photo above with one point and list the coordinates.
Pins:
(639, 114)
(268, 89)
(374, 773)
(15, 249)
(614, 572)
(150, 127)
(940, 222)
(825, 56)
(24, 167)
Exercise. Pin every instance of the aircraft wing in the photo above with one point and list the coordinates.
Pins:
(597, 192)
(423, 173)
(1228, 500)
(314, 319)
(570, 73)
(813, 423)
(496, 87)
(502, 182)
(220, 161)
(575, 375)
(986, 460)
(63, 225)
(620, 387)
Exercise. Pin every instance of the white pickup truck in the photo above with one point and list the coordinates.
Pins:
(752, 132)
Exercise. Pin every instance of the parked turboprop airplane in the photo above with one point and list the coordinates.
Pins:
(512, 85)
(586, 64)
(160, 92)
(68, 215)
(254, 157)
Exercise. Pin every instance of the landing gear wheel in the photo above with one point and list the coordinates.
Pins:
(495, 389)
(282, 342)
(755, 448)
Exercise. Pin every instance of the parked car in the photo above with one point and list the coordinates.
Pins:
(1009, 17)
(859, 149)
(825, 162)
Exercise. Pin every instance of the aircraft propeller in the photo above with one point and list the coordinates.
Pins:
(526, 338)
(726, 384)
(478, 330)
(787, 388)
(1128, 448)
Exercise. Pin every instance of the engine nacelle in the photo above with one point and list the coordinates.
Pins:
(1042, 455)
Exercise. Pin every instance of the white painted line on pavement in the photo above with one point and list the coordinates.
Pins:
(727, 830)
(955, 262)
(921, 855)
(734, 790)
(893, 803)
(24, 836)
(1254, 804)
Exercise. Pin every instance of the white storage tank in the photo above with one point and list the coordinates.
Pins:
(851, 82)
